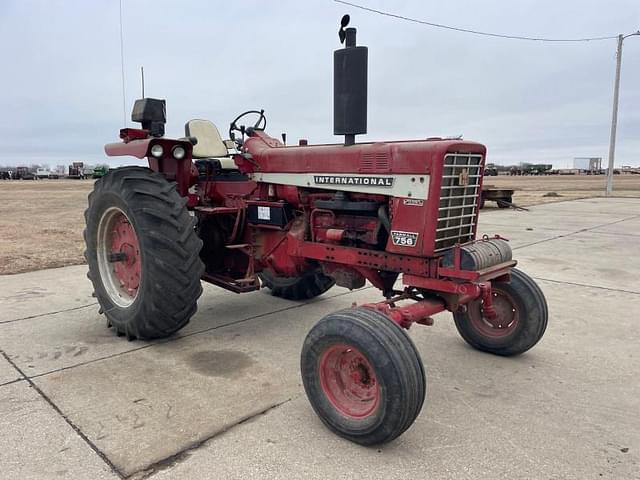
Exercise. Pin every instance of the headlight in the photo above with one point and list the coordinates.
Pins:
(157, 150)
(178, 152)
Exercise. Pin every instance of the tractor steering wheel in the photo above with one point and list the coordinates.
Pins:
(260, 124)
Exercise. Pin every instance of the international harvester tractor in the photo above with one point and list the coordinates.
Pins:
(250, 212)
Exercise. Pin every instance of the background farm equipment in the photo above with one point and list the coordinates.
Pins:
(299, 220)
(491, 170)
(42, 173)
(531, 169)
(537, 169)
(24, 173)
(99, 171)
(502, 196)
(76, 170)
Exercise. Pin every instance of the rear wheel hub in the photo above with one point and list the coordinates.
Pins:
(119, 260)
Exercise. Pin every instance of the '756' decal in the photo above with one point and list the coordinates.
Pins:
(404, 239)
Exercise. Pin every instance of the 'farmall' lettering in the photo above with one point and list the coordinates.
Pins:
(356, 181)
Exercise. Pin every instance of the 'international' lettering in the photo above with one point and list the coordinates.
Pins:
(346, 180)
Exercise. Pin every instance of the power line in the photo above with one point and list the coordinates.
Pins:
(475, 32)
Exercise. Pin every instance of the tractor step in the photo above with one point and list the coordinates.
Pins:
(240, 285)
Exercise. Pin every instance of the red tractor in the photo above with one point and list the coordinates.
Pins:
(251, 212)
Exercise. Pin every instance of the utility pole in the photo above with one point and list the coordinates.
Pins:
(614, 115)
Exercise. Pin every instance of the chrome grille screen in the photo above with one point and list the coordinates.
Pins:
(458, 209)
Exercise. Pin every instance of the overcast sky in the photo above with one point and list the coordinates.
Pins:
(61, 87)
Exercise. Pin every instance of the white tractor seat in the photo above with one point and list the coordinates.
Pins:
(210, 144)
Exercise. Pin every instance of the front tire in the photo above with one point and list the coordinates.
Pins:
(143, 253)
(521, 321)
(363, 376)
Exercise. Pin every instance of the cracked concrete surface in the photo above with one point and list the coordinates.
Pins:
(36, 442)
(8, 373)
(223, 398)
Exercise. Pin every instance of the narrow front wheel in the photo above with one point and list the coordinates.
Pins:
(519, 323)
(363, 376)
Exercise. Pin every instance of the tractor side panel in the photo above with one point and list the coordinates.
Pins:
(408, 222)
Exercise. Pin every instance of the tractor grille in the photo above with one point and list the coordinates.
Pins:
(458, 199)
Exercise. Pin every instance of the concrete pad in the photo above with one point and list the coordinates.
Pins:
(520, 235)
(589, 206)
(587, 258)
(564, 216)
(149, 404)
(7, 372)
(627, 228)
(565, 410)
(66, 339)
(44, 291)
(60, 340)
(628, 205)
(290, 443)
(219, 307)
(36, 442)
(570, 220)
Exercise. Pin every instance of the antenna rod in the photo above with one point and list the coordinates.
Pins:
(142, 72)
(124, 96)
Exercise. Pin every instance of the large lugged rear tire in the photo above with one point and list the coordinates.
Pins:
(306, 286)
(363, 376)
(505, 202)
(521, 321)
(143, 253)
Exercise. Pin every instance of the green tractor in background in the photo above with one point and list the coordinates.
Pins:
(100, 171)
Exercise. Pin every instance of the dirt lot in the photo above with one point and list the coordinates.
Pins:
(532, 190)
(41, 221)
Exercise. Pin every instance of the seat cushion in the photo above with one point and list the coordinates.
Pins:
(210, 142)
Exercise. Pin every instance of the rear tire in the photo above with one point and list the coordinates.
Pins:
(143, 253)
(521, 322)
(308, 285)
(502, 204)
(363, 376)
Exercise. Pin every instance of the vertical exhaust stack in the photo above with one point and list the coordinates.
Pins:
(349, 86)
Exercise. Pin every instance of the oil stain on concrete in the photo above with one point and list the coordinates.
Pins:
(220, 363)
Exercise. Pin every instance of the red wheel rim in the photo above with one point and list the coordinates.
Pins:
(119, 257)
(349, 381)
(506, 320)
(125, 241)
